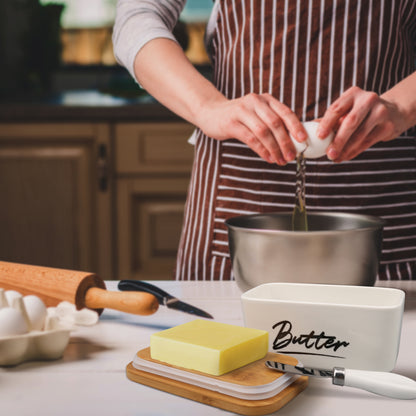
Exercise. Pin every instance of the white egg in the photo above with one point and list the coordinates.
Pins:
(313, 147)
(36, 311)
(12, 322)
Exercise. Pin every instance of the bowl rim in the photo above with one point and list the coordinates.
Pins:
(374, 222)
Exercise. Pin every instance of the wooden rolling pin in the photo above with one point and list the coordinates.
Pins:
(80, 288)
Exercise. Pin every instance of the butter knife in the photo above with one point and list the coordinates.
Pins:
(163, 297)
(382, 383)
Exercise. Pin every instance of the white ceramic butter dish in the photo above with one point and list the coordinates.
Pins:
(326, 326)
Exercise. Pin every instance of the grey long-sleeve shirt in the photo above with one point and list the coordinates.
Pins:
(139, 21)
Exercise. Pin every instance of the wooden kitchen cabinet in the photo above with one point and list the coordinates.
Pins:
(56, 194)
(152, 164)
(101, 197)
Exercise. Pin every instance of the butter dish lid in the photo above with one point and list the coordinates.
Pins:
(251, 382)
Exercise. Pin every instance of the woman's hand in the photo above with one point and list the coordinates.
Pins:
(258, 120)
(360, 119)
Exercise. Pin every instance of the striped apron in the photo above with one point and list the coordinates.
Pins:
(305, 53)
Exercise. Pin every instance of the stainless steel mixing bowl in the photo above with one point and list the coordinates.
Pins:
(338, 248)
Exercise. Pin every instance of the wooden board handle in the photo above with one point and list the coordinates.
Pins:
(139, 303)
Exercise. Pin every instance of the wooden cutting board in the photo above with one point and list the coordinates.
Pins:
(254, 374)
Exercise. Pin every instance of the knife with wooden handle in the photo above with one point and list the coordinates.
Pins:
(163, 297)
(138, 303)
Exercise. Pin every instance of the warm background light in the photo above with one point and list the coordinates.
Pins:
(87, 27)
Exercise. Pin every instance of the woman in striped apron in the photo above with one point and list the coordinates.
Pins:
(276, 63)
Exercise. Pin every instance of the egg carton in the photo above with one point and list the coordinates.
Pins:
(31, 331)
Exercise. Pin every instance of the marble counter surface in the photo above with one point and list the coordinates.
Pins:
(90, 379)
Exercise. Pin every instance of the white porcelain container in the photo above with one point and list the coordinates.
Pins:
(325, 326)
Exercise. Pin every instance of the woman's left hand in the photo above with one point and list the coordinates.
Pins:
(360, 119)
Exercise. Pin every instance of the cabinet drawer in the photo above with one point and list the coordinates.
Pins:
(153, 148)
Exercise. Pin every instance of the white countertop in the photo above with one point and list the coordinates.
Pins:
(90, 378)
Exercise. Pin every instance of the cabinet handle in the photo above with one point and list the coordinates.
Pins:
(102, 168)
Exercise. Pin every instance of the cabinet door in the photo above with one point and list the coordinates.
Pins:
(53, 211)
(153, 164)
(150, 214)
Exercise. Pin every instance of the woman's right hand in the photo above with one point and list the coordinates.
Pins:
(258, 120)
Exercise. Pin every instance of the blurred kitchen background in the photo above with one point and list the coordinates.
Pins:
(56, 45)
(93, 171)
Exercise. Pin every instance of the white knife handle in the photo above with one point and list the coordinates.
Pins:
(383, 383)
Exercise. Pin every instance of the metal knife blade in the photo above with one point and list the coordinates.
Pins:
(177, 304)
(382, 383)
(163, 297)
(298, 369)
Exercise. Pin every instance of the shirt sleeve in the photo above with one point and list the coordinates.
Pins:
(139, 21)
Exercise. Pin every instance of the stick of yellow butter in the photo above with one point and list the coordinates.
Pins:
(210, 347)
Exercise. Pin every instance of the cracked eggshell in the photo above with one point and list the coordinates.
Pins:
(315, 147)
(68, 313)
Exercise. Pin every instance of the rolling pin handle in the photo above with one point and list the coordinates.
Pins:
(138, 303)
